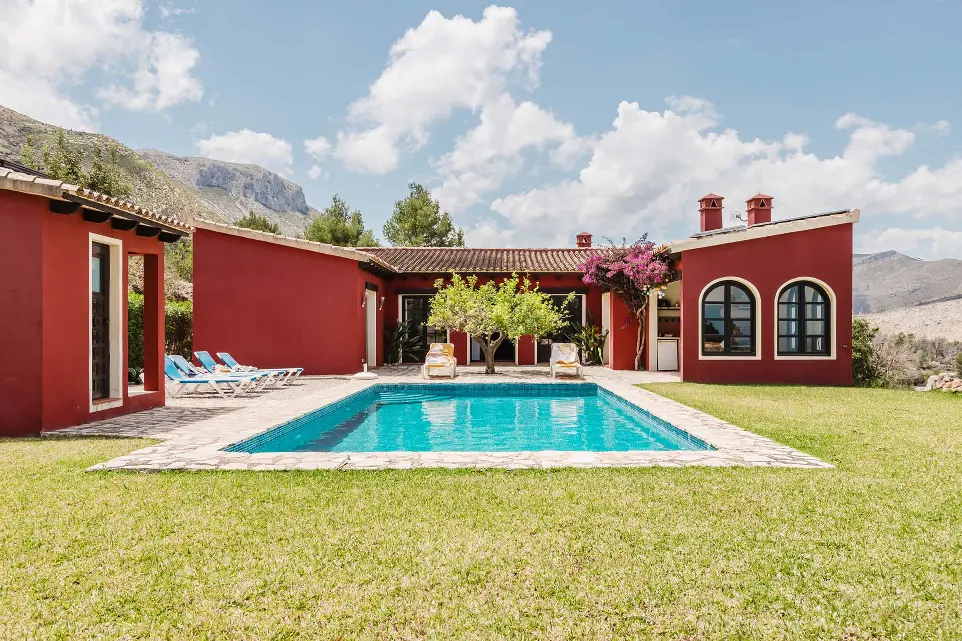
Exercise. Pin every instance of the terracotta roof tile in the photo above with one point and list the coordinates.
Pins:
(51, 188)
(440, 260)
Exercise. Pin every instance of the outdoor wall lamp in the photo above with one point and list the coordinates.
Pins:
(363, 300)
(381, 305)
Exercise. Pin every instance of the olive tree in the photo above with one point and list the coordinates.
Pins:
(494, 312)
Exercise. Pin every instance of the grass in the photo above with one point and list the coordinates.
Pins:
(869, 550)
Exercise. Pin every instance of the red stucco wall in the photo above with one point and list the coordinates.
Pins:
(622, 337)
(272, 305)
(66, 322)
(21, 393)
(45, 327)
(768, 263)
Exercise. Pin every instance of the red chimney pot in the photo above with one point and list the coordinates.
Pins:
(710, 208)
(584, 239)
(759, 208)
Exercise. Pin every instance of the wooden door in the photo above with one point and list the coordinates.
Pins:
(100, 322)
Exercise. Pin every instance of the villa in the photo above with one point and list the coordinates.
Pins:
(768, 301)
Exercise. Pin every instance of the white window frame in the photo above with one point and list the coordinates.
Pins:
(832, 318)
(759, 344)
(115, 315)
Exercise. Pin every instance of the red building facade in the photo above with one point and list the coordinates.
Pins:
(269, 299)
(63, 334)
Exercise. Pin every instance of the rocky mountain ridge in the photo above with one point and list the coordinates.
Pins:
(181, 187)
(233, 189)
(889, 280)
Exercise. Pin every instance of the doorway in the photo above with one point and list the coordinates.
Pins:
(415, 309)
(370, 309)
(574, 314)
(100, 320)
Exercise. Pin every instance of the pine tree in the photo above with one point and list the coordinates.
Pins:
(418, 221)
(260, 223)
(338, 225)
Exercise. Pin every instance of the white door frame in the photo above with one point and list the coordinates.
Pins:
(370, 308)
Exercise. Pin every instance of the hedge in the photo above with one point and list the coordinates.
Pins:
(178, 334)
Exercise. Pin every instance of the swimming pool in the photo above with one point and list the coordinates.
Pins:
(469, 417)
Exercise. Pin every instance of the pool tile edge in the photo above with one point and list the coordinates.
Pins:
(201, 448)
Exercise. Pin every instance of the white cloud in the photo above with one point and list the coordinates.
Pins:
(929, 243)
(491, 152)
(169, 10)
(647, 171)
(487, 233)
(315, 172)
(163, 78)
(441, 65)
(50, 47)
(251, 147)
(318, 147)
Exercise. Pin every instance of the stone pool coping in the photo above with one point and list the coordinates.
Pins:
(200, 446)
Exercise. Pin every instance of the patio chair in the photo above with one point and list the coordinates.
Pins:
(178, 382)
(191, 370)
(564, 360)
(440, 360)
(268, 379)
(287, 374)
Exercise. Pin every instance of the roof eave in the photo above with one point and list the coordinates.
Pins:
(775, 228)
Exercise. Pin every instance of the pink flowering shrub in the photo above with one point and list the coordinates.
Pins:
(631, 272)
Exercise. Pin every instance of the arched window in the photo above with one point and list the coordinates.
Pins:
(803, 320)
(728, 320)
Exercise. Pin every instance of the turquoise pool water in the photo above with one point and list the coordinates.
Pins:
(475, 418)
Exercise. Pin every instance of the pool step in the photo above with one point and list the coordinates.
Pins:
(402, 397)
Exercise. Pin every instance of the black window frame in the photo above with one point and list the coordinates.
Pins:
(802, 319)
(727, 334)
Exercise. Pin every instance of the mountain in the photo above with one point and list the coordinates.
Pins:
(936, 320)
(183, 188)
(232, 190)
(890, 280)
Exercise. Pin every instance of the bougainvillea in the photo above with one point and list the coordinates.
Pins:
(632, 272)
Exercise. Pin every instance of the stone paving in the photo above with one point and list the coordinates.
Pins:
(195, 430)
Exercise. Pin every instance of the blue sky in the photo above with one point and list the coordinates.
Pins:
(531, 120)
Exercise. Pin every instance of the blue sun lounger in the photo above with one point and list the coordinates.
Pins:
(178, 382)
(270, 378)
(288, 374)
(191, 371)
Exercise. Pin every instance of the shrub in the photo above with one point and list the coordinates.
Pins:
(866, 360)
(957, 363)
(179, 326)
(590, 341)
(135, 337)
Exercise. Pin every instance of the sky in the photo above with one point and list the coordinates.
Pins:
(530, 121)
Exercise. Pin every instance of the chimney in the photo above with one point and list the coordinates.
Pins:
(759, 208)
(584, 239)
(710, 207)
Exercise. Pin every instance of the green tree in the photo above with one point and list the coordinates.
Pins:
(28, 155)
(179, 257)
(492, 313)
(418, 221)
(338, 225)
(259, 223)
(867, 369)
(105, 175)
(63, 161)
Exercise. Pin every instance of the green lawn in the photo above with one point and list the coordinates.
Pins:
(869, 550)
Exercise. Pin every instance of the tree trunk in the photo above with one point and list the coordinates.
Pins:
(489, 348)
(640, 343)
